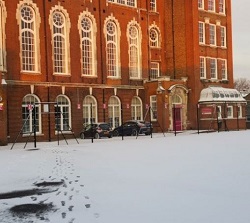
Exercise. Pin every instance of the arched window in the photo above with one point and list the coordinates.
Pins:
(112, 48)
(29, 103)
(136, 109)
(134, 51)
(89, 109)
(63, 113)
(29, 20)
(154, 37)
(88, 44)
(114, 110)
(59, 22)
(3, 15)
(176, 99)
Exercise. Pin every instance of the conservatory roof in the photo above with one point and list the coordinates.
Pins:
(220, 94)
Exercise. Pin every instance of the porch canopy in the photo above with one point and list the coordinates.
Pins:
(220, 94)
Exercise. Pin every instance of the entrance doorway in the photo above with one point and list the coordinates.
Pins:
(177, 121)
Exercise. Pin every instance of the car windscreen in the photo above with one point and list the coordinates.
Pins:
(104, 126)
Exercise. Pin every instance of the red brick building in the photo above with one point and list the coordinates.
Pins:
(112, 60)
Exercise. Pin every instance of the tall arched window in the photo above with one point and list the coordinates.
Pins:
(112, 48)
(88, 44)
(63, 113)
(114, 110)
(3, 15)
(154, 37)
(29, 21)
(59, 22)
(134, 51)
(89, 109)
(31, 102)
(136, 109)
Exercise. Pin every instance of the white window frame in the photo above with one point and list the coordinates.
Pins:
(64, 113)
(134, 42)
(230, 113)
(89, 103)
(114, 111)
(112, 47)
(3, 16)
(201, 4)
(130, 3)
(219, 111)
(154, 37)
(202, 33)
(223, 63)
(223, 34)
(211, 5)
(60, 34)
(87, 29)
(136, 109)
(152, 6)
(213, 68)
(222, 7)
(29, 26)
(153, 106)
(154, 70)
(28, 119)
(203, 73)
(239, 111)
(212, 35)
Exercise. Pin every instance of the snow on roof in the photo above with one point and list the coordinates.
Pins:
(220, 94)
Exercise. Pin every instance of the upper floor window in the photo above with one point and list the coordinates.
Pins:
(223, 68)
(88, 45)
(112, 48)
(202, 67)
(201, 4)
(201, 32)
(134, 51)
(211, 5)
(60, 40)
(152, 5)
(223, 36)
(222, 6)
(3, 15)
(125, 2)
(154, 37)
(154, 70)
(28, 20)
(212, 34)
(213, 68)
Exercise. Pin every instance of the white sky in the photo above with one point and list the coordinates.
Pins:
(189, 178)
(241, 38)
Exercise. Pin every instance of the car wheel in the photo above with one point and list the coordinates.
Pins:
(134, 132)
(115, 133)
(82, 135)
(97, 136)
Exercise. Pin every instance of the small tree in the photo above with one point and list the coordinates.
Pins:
(242, 84)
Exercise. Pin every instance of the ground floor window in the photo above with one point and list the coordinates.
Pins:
(153, 105)
(114, 111)
(89, 109)
(62, 113)
(136, 108)
(29, 116)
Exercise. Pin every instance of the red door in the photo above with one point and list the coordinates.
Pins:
(177, 119)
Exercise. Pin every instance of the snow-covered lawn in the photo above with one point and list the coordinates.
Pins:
(189, 178)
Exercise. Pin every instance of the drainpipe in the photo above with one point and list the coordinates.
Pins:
(173, 36)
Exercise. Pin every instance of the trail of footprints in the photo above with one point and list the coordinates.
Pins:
(71, 192)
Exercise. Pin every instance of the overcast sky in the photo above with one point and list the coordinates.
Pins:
(241, 38)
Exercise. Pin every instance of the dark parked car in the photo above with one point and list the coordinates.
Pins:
(133, 128)
(96, 130)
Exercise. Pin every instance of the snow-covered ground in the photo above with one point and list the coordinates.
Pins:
(188, 178)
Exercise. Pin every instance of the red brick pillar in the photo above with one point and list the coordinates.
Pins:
(3, 112)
